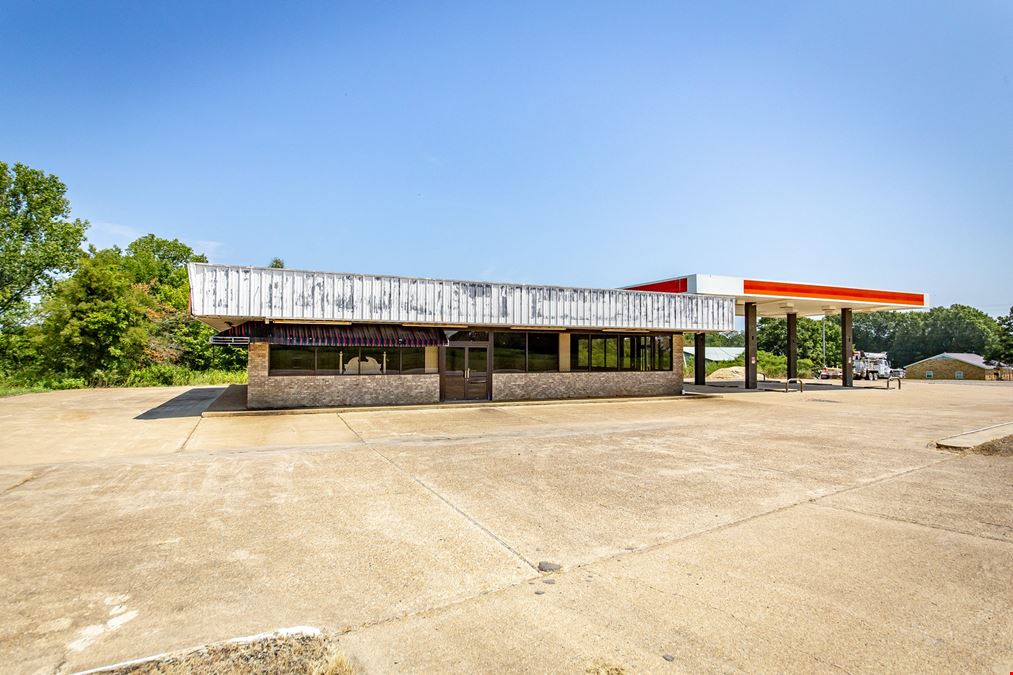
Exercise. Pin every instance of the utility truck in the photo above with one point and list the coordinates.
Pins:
(871, 365)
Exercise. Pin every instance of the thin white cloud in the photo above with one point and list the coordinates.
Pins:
(104, 235)
(208, 247)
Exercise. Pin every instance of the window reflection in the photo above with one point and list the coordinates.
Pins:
(286, 360)
(597, 352)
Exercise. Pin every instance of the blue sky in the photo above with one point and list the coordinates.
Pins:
(581, 143)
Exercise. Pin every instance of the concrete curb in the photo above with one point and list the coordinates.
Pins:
(689, 396)
(969, 439)
(281, 632)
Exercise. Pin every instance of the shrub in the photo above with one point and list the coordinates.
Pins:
(771, 365)
(67, 383)
(164, 375)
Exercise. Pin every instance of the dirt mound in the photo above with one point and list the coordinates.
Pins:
(1000, 447)
(730, 373)
(311, 652)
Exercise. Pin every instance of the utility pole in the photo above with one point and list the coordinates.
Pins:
(823, 325)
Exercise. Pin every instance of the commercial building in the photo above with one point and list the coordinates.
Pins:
(332, 339)
(335, 339)
(957, 366)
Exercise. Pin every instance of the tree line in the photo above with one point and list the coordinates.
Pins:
(72, 317)
(905, 336)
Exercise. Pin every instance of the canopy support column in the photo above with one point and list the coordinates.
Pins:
(699, 362)
(792, 345)
(750, 345)
(847, 350)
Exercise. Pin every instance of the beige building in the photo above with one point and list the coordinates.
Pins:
(956, 366)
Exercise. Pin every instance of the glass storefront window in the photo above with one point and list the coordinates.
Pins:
(285, 360)
(580, 352)
(543, 352)
(467, 336)
(372, 360)
(663, 352)
(508, 352)
(626, 352)
(604, 353)
(623, 352)
(413, 360)
(291, 360)
(332, 360)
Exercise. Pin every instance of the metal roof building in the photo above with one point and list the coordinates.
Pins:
(958, 366)
(452, 340)
(445, 340)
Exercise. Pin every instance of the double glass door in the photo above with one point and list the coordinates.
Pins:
(465, 374)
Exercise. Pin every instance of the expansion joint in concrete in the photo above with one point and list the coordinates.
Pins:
(907, 521)
(442, 498)
(183, 445)
(23, 481)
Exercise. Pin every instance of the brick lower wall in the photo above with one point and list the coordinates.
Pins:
(541, 386)
(536, 386)
(313, 391)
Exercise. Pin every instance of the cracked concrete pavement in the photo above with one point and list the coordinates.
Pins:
(762, 532)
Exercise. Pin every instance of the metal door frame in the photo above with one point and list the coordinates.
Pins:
(487, 346)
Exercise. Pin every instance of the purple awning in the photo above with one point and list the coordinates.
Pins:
(365, 335)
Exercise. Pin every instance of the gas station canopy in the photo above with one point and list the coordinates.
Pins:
(780, 298)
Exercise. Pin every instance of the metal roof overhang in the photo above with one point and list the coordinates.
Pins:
(227, 295)
(778, 298)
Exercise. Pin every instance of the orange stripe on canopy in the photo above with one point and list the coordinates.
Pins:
(780, 288)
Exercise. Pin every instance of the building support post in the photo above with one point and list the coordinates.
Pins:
(750, 345)
(792, 345)
(847, 350)
(699, 362)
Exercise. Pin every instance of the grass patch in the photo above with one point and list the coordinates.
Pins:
(17, 390)
(311, 654)
(160, 375)
(999, 447)
(603, 667)
(165, 375)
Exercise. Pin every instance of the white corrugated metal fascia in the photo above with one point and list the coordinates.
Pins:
(224, 291)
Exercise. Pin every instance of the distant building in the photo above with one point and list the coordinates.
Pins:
(715, 353)
(957, 366)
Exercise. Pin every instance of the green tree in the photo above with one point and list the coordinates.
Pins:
(1000, 349)
(126, 310)
(277, 263)
(159, 265)
(772, 337)
(96, 324)
(877, 331)
(957, 328)
(38, 241)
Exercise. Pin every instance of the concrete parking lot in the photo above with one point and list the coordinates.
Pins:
(761, 532)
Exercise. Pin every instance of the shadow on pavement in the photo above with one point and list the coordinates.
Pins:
(188, 404)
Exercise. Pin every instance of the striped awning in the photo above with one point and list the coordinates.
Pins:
(365, 335)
